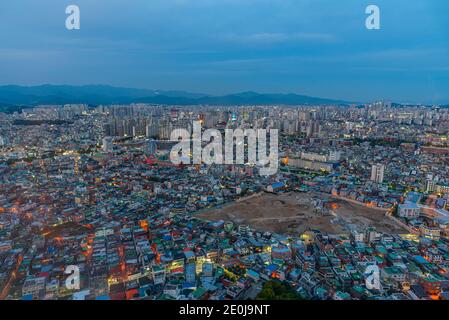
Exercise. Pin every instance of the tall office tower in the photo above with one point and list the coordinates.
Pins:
(2, 141)
(430, 184)
(128, 125)
(311, 128)
(316, 127)
(108, 146)
(118, 126)
(165, 129)
(291, 115)
(304, 116)
(289, 127)
(108, 129)
(142, 126)
(377, 173)
(152, 130)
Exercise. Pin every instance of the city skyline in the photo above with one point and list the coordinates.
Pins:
(94, 204)
(208, 157)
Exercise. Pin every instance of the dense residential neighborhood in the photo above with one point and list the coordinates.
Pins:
(94, 188)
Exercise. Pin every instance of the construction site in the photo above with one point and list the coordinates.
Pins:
(296, 212)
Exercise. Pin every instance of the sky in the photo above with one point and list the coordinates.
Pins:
(313, 47)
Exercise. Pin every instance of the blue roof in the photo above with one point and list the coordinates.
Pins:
(252, 272)
(277, 185)
(46, 268)
(413, 197)
(420, 259)
(272, 267)
(189, 254)
(188, 285)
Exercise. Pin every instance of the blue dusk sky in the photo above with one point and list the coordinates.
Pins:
(312, 47)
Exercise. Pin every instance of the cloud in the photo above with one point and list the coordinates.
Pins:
(279, 38)
(321, 47)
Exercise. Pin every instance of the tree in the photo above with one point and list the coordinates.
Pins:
(276, 290)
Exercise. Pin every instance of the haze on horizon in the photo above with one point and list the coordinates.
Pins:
(313, 47)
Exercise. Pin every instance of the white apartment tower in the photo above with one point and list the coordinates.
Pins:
(377, 173)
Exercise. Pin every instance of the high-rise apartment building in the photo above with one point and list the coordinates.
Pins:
(377, 173)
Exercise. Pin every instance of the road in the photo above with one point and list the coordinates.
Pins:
(5, 292)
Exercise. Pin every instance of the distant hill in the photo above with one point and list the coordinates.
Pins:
(12, 95)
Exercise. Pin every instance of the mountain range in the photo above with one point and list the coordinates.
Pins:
(13, 95)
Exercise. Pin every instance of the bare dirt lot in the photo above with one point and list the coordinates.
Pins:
(294, 213)
(365, 216)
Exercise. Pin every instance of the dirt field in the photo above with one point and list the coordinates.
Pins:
(293, 213)
(364, 216)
